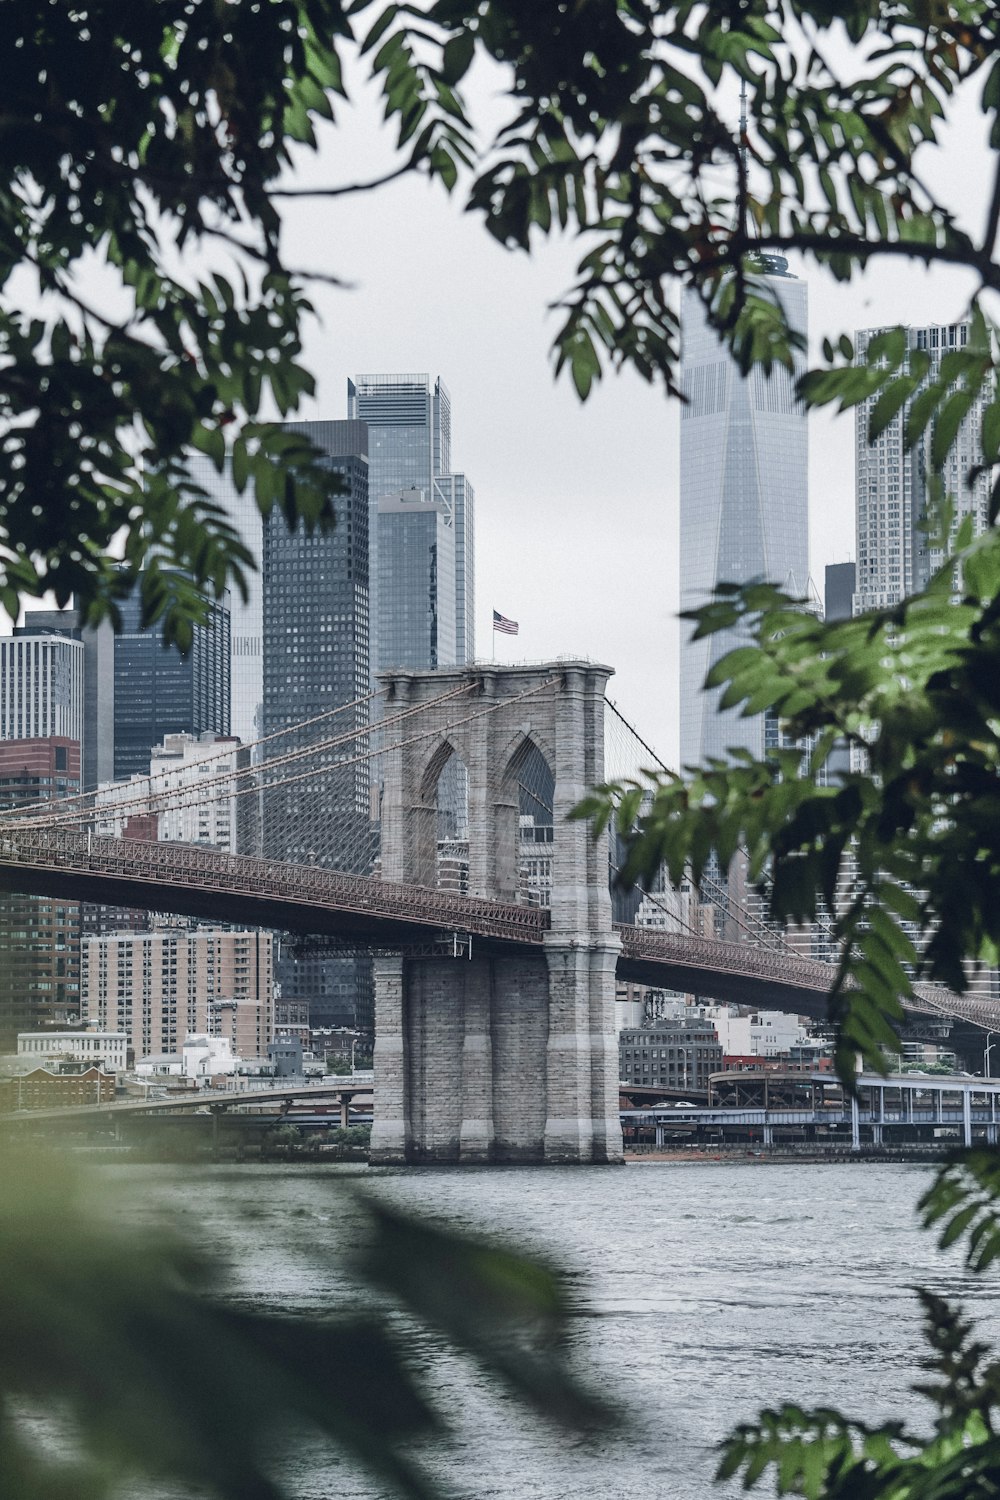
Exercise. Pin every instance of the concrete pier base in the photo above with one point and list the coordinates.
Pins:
(496, 1060)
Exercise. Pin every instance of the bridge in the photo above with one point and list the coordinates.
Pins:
(511, 1053)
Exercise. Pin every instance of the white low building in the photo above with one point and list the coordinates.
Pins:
(200, 1058)
(758, 1033)
(107, 1049)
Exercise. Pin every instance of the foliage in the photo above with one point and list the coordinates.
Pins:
(913, 691)
(822, 1453)
(134, 136)
(122, 1347)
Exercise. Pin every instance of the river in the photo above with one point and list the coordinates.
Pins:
(702, 1292)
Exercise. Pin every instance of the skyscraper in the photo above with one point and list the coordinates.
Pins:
(41, 687)
(416, 594)
(158, 691)
(98, 683)
(246, 616)
(894, 558)
(409, 450)
(315, 597)
(316, 658)
(744, 499)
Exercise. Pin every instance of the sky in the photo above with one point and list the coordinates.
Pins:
(576, 504)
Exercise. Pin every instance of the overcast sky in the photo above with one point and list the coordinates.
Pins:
(576, 505)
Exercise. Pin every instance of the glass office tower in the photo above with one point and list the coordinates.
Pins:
(416, 597)
(744, 501)
(246, 615)
(158, 691)
(409, 450)
(315, 612)
(316, 624)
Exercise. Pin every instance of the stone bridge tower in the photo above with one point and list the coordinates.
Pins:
(498, 1056)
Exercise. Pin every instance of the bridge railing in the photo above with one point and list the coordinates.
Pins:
(193, 866)
(785, 968)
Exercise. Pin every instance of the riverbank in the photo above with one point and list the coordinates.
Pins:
(775, 1156)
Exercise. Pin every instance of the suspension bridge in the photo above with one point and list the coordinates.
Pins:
(423, 825)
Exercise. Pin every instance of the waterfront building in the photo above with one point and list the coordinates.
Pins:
(678, 1054)
(159, 691)
(189, 796)
(107, 1050)
(98, 643)
(757, 1033)
(743, 500)
(59, 1087)
(159, 986)
(893, 555)
(409, 450)
(39, 935)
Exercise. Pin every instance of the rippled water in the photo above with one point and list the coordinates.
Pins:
(704, 1292)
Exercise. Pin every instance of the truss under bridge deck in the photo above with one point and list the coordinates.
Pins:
(747, 974)
(202, 882)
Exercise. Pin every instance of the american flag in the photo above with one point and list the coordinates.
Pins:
(505, 626)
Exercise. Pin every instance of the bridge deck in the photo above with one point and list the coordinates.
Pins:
(205, 883)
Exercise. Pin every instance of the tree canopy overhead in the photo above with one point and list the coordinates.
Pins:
(142, 142)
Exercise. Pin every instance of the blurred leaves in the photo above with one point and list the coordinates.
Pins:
(123, 1346)
(822, 1453)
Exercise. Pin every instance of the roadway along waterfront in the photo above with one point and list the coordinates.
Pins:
(703, 1293)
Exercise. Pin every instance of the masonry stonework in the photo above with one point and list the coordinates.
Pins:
(495, 1057)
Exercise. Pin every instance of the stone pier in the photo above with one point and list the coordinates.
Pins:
(499, 1057)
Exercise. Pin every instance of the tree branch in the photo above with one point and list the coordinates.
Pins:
(346, 188)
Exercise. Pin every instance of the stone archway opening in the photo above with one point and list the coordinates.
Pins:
(446, 792)
(529, 775)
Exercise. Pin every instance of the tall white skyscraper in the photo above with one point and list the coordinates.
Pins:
(744, 501)
(894, 559)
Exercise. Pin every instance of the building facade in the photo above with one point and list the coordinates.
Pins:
(41, 688)
(416, 593)
(158, 987)
(743, 500)
(316, 659)
(39, 935)
(894, 558)
(246, 616)
(98, 683)
(159, 692)
(678, 1054)
(409, 450)
(189, 796)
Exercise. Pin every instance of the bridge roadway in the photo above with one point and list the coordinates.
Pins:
(342, 1089)
(200, 882)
